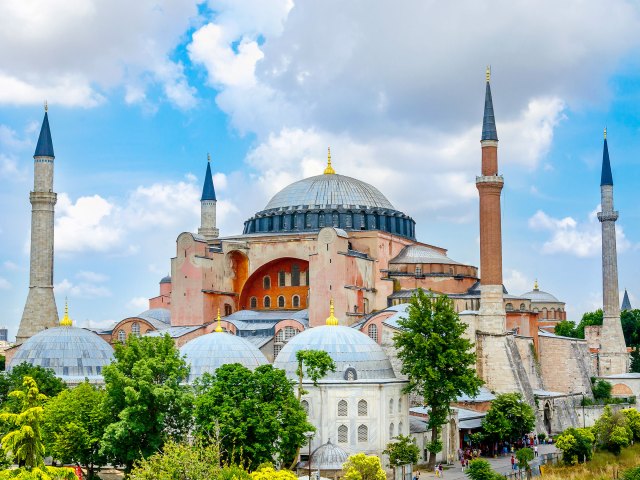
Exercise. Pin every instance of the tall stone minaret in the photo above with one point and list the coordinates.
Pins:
(613, 358)
(491, 317)
(208, 207)
(40, 311)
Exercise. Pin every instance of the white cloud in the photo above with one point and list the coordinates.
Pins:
(81, 290)
(11, 266)
(516, 282)
(582, 239)
(138, 304)
(92, 277)
(4, 284)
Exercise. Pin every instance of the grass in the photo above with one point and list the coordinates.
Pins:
(603, 466)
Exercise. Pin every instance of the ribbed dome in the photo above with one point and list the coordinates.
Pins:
(326, 190)
(209, 352)
(72, 353)
(166, 279)
(328, 457)
(357, 357)
(541, 296)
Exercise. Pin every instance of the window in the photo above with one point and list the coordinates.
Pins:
(305, 406)
(295, 301)
(122, 336)
(372, 331)
(418, 270)
(281, 278)
(400, 425)
(295, 276)
(348, 221)
(276, 349)
(399, 405)
(391, 431)
(267, 302)
(307, 222)
(335, 219)
(228, 309)
(522, 306)
(135, 329)
(289, 333)
(363, 433)
(342, 408)
(266, 282)
(509, 307)
(253, 302)
(362, 408)
(321, 220)
(391, 406)
(343, 434)
(280, 301)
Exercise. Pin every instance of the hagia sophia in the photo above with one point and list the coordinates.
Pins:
(331, 264)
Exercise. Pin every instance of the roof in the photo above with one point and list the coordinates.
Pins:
(421, 254)
(540, 296)
(469, 419)
(484, 395)
(44, 148)
(174, 332)
(269, 316)
(548, 393)
(417, 425)
(606, 178)
(629, 376)
(160, 318)
(544, 333)
(489, 131)
(626, 303)
(328, 457)
(166, 279)
(208, 192)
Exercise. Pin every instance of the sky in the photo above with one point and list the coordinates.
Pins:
(140, 92)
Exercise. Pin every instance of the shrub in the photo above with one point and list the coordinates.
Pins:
(601, 390)
(481, 470)
(542, 436)
(576, 445)
(632, 474)
(612, 431)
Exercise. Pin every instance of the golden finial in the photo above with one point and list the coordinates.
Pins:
(605, 133)
(46, 107)
(488, 73)
(535, 285)
(329, 170)
(219, 328)
(331, 319)
(66, 321)
(208, 157)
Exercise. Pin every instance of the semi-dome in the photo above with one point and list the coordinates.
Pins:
(330, 200)
(209, 352)
(72, 353)
(357, 357)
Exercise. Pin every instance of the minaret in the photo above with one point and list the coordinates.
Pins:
(626, 303)
(492, 317)
(613, 350)
(208, 207)
(40, 310)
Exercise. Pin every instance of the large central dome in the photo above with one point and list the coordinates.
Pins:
(327, 191)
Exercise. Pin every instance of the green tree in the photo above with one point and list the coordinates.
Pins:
(402, 451)
(635, 360)
(314, 364)
(524, 456)
(576, 445)
(481, 470)
(509, 417)
(74, 423)
(45, 378)
(269, 473)
(601, 390)
(436, 357)
(255, 416)
(147, 395)
(363, 467)
(565, 328)
(24, 440)
(612, 431)
(633, 421)
(588, 319)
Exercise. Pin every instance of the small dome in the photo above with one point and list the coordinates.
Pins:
(209, 352)
(328, 457)
(166, 279)
(72, 353)
(357, 357)
(540, 296)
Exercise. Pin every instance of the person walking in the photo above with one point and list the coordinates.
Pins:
(441, 470)
(437, 470)
(535, 450)
(513, 462)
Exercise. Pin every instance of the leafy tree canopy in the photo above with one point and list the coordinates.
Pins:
(601, 390)
(147, 395)
(576, 445)
(402, 451)
(630, 320)
(255, 415)
(269, 473)
(509, 417)
(45, 378)
(565, 328)
(363, 467)
(633, 421)
(481, 470)
(524, 456)
(612, 431)
(315, 364)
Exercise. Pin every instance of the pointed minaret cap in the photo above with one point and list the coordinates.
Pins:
(331, 319)
(626, 303)
(329, 170)
(44, 148)
(606, 178)
(66, 321)
(208, 192)
(219, 327)
(489, 131)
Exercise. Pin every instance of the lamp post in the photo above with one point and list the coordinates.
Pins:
(583, 419)
(309, 436)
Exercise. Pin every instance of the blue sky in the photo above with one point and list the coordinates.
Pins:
(139, 94)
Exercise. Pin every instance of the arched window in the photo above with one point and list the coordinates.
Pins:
(267, 301)
(372, 331)
(135, 329)
(228, 309)
(522, 307)
(342, 408)
(253, 302)
(321, 220)
(391, 406)
(348, 221)
(122, 336)
(295, 276)
(281, 301)
(363, 433)
(307, 221)
(391, 431)
(343, 434)
(305, 406)
(399, 405)
(535, 310)
(266, 282)
(281, 278)
(362, 408)
(295, 301)
(509, 307)
(335, 219)
(400, 425)
(418, 270)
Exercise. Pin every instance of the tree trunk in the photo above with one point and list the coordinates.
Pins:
(432, 455)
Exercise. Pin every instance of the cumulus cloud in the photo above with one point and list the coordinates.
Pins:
(578, 238)
(81, 289)
(92, 277)
(138, 304)
(516, 282)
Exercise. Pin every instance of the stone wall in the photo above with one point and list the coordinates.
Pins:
(566, 365)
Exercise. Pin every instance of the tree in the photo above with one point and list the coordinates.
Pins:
(74, 423)
(588, 319)
(315, 364)
(635, 360)
(146, 393)
(524, 456)
(437, 358)
(363, 467)
(45, 378)
(576, 445)
(269, 473)
(629, 319)
(403, 451)
(24, 442)
(633, 421)
(481, 470)
(601, 390)
(255, 416)
(509, 417)
(565, 328)
(612, 431)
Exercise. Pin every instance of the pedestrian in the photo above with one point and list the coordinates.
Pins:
(535, 450)
(437, 471)
(462, 464)
(441, 470)
(513, 462)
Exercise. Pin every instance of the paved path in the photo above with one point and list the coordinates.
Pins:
(500, 464)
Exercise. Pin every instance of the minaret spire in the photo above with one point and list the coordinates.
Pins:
(208, 204)
(613, 350)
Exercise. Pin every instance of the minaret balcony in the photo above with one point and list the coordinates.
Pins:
(608, 216)
(490, 179)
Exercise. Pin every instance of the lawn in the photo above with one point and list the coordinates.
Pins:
(604, 466)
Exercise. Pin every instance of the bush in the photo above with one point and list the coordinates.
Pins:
(612, 431)
(524, 456)
(601, 390)
(542, 436)
(481, 470)
(632, 474)
(576, 445)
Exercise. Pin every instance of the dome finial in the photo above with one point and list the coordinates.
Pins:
(331, 319)
(66, 321)
(329, 170)
(219, 328)
(535, 285)
(488, 73)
